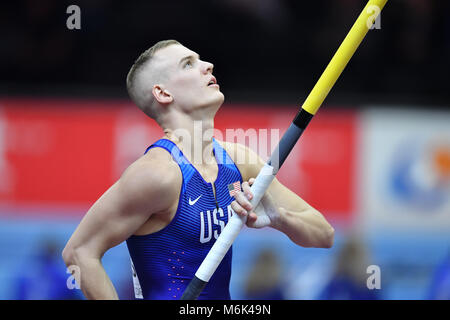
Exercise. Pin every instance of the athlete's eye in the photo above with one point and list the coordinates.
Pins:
(188, 64)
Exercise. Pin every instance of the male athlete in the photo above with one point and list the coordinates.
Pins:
(171, 204)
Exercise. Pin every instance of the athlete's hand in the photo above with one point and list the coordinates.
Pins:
(265, 214)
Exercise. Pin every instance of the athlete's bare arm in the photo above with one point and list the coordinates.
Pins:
(149, 187)
(289, 214)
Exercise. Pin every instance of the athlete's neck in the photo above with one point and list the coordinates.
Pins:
(193, 137)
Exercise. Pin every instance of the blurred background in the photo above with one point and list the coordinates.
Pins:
(375, 160)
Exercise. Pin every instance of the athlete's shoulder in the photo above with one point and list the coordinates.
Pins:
(247, 160)
(153, 176)
(231, 147)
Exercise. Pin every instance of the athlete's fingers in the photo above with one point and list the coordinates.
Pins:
(252, 218)
(247, 191)
(251, 181)
(238, 209)
(243, 200)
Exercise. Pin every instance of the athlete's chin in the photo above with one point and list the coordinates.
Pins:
(221, 98)
(216, 101)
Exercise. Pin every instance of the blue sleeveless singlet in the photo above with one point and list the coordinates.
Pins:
(165, 261)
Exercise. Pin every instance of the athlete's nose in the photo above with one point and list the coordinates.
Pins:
(208, 67)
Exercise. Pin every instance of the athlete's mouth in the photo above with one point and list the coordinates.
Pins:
(213, 81)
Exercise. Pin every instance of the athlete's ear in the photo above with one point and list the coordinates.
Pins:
(161, 95)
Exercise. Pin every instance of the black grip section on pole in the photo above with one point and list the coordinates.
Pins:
(289, 139)
(302, 119)
(193, 290)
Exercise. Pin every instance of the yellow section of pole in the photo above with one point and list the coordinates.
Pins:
(343, 55)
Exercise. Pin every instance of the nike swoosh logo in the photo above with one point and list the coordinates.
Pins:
(193, 202)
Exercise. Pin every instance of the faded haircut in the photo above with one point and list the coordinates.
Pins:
(144, 100)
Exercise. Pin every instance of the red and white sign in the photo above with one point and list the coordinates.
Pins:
(66, 153)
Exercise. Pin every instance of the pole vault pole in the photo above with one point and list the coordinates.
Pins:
(309, 108)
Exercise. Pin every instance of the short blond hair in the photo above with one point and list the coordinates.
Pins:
(146, 104)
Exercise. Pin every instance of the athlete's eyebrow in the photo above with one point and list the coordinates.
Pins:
(196, 56)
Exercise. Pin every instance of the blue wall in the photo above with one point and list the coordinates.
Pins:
(407, 260)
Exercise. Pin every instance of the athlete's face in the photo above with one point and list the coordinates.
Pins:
(189, 79)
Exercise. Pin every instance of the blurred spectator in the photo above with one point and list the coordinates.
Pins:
(264, 281)
(125, 288)
(45, 277)
(440, 284)
(350, 277)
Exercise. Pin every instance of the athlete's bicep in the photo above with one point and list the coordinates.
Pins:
(122, 209)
